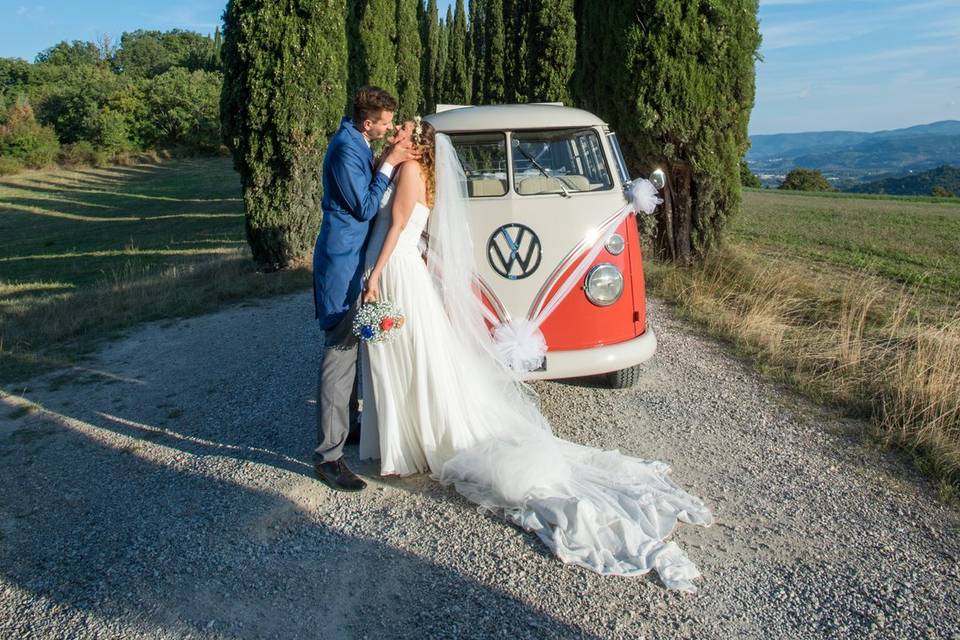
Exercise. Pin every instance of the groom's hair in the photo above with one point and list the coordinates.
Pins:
(369, 102)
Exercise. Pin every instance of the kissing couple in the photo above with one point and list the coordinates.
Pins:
(437, 399)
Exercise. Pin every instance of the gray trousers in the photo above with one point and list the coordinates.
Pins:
(336, 389)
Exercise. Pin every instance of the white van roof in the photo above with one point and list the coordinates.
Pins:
(512, 117)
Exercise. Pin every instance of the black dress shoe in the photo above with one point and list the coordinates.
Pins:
(337, 475)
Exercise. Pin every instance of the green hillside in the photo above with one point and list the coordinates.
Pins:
(917, 184)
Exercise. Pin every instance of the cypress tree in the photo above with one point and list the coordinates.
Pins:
(458, 80)
(443, 57)
(284, 88)
(516, 17)
(478, 57)
(378, 36)
(553, 48)
(679, 89)
(217, 47)
(494, 48)
(431, 39)
(408, 56)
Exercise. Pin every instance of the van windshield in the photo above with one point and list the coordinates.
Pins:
(484, 160)
(565, 161)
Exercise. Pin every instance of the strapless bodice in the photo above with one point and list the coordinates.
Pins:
(409, 242)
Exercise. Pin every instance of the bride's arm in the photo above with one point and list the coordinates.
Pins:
(409, 186)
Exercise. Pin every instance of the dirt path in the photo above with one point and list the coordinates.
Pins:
(165, 491)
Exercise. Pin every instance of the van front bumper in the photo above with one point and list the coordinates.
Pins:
(597, 360)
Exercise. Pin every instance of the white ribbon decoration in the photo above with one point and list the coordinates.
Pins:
(520, 343)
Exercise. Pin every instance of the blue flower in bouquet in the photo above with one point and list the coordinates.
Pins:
(377, 321)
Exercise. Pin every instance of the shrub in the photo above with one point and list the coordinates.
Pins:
(80, 153)
(109, 131)
(806, 180)
(941, 192)
(9, 166)
(25, 140)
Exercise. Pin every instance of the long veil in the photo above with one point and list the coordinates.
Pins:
(600, 509)
(450, 260)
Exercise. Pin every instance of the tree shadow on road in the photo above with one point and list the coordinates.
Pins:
(115, 532)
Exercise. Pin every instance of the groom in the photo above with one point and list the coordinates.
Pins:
(352, 190)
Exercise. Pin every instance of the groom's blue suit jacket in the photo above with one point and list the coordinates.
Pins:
(351, 198)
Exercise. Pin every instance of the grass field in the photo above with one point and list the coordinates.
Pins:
(89, 251)
(908, 241)
(852, 300)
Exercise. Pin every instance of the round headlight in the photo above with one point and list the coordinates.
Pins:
(604, 285)
(616, 244)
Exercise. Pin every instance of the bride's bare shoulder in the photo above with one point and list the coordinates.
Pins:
(410, 171)
(410, 176)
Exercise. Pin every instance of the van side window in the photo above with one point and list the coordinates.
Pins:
(564, 161)
(484, 160)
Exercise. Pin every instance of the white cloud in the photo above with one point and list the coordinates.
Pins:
(29, 12)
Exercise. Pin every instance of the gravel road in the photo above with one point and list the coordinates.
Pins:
(164, 491)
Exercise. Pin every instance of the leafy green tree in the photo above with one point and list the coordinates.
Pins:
(675, 78)
(150, 53)
(184, 109)
(494, 87)
(747, 177)
(458, 77)
(553, 38)
(806, 180)
(15, 77)
(283, 94)
(408, 59)
(70, 54)
(72, 104)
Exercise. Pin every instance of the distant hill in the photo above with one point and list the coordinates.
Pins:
(850, 156)
(917, 184)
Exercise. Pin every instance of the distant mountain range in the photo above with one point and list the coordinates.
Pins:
(917, 184)
(848, 158)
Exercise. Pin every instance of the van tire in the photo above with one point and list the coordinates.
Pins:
(624, 378)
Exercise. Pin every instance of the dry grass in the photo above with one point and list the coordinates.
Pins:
(45, 332)
(850, 338)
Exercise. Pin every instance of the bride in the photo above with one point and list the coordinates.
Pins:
(443, 403)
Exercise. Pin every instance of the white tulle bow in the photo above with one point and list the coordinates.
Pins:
(520, 344)
(644, 196)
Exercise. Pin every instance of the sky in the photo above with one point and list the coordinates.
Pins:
(862, 65)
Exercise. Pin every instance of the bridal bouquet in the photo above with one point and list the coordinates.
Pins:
(377, 321)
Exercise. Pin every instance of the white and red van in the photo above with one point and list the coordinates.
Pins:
(545, 182)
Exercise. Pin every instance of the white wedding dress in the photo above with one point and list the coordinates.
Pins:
(434, 404)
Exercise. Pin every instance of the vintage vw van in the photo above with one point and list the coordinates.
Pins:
(543, 181)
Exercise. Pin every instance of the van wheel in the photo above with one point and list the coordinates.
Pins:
(625, 378)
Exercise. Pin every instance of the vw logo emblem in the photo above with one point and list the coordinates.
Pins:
(514, 251)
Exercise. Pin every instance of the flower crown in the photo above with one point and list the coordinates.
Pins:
(418, 130)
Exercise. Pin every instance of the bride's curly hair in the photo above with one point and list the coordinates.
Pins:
(426, 143)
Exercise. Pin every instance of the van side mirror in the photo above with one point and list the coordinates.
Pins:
(658, 178)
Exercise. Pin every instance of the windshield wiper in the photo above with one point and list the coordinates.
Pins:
(543, 170)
